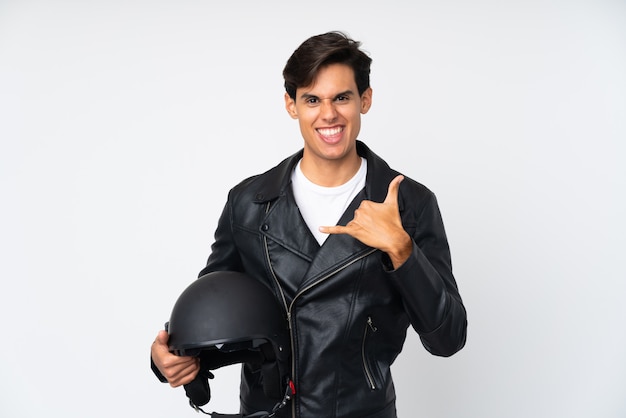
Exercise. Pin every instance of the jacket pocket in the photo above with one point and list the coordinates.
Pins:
(370, 366)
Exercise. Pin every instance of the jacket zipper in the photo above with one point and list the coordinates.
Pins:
(290, 307)
(282, 295)
(368, 372)
(309, 287)
(269, 263)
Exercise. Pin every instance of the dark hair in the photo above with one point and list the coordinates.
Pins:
(322, 50)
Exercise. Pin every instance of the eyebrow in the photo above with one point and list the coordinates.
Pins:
(305, 96)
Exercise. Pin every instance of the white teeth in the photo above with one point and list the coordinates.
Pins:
(330, 131)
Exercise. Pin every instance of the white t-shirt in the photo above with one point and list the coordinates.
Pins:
(323, 206)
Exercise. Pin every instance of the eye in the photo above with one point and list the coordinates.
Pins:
(312, 101)
(342, 98)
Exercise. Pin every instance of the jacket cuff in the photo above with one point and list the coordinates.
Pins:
(157, 372)
(423, 291)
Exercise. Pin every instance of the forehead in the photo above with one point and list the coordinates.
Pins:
(331, 80)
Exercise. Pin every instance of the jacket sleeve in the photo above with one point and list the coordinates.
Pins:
(427, 285)
(224, 255)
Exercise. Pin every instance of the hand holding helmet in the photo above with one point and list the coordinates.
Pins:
(178, 370)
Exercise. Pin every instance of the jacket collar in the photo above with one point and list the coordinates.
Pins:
(278, 179)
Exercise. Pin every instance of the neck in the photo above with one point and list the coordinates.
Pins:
(330, 173)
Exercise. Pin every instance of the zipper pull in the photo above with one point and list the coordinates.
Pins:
(371, 324)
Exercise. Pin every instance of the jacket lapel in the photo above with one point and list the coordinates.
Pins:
(284, 225)
(337, 250)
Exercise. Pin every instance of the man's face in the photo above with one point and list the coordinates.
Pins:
(329, 113)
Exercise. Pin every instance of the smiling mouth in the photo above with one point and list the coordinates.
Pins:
(329, 132)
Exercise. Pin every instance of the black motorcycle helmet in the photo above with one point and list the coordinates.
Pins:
(225, 318)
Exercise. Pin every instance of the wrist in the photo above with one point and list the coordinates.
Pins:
(401, 251)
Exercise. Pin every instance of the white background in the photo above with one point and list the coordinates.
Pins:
(124, 123)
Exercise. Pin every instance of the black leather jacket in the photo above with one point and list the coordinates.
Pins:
(348, 310)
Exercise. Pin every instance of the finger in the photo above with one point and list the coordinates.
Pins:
(337, 229)
(185, 374)
(392, 192)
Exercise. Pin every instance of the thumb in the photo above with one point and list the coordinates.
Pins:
(162, 338)
(392, 191)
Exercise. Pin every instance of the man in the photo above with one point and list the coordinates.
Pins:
(354, 251)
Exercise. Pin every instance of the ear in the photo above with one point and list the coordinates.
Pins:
(290, 105)
(366, 100)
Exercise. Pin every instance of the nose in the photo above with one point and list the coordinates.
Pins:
(327, 110)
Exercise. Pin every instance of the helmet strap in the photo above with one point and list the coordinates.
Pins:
(290, 391)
